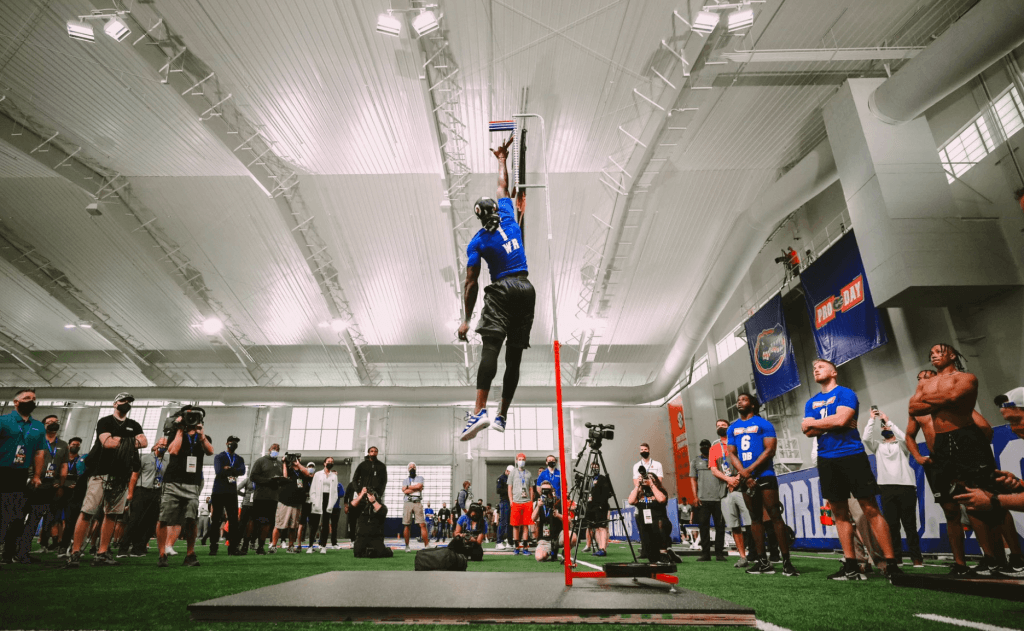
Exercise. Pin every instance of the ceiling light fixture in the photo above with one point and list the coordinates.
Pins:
(85, 325)
(77, 29)
(425, 23)
(93, 209)
(705, 22)
(212, 326)
(338, 325)
(388, 24)
(739, 20)
(117, 29)
(69, 326)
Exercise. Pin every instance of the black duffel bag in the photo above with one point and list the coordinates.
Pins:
(440, 560)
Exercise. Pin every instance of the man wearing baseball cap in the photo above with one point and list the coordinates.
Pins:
(1011, 406)
(227, 467)
(1011, 489)
(521, 496)
(412, 511)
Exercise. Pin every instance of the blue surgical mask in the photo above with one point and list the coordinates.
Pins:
(273, 454)
(311, 469)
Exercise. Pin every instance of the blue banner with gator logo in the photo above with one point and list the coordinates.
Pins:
(771, 351)
(844, 319)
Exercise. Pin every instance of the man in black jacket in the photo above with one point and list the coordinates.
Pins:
(372, 474)
(264, 498)
(369, 542)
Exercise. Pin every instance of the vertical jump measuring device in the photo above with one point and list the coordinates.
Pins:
(517, 127)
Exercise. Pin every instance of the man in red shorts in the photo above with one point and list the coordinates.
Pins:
(521, 496)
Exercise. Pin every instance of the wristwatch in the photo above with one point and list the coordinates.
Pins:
(995, 502)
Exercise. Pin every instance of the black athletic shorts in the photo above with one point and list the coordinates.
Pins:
(942, 486)
(846, 476)
(508, 311)
(964, 457)
(767, 483)
(264, 509)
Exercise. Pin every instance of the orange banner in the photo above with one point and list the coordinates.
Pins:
(680, 449)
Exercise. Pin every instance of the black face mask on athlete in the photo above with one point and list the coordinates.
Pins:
(645, 455)
(26, 407)
(124, 408)
(722, 431)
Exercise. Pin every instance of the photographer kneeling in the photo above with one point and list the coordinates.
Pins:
(369, 542)
(183, 480)
(547, 514)
(472, 525)
(650, 500)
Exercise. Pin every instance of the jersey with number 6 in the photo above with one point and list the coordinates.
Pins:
(748, 438)
(503, 248)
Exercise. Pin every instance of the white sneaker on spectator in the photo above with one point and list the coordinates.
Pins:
(500, 546)
(309, 550)
(586, 549)
(407, 548)
(170, 551)
(323, 550)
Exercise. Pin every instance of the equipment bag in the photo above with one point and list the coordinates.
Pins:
(440, 560)
(470, 549)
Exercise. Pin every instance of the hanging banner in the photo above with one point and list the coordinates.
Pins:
(680, 448)
(844, 319)
(771, 351)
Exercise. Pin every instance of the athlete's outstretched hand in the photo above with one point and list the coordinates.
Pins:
(975, 499)
(463, 330)
(501, 152)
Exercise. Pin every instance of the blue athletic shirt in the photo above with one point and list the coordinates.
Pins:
(470, 526)
(503, 248)
(748, 438)
(835, 443)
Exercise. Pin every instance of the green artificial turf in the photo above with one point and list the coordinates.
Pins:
(138, 595)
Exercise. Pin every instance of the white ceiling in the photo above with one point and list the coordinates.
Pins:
(348, 110)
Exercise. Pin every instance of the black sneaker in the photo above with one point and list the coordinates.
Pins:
(62, 552)
(103, 559)
(213, 550)
(774, 558)
(260, 550)
(788, 569)
(704, 557)
(1016, 563)
(721, 557)
(849, 572)
(986, 567)
(960, 571)
(191, 560)
(74, 560)
(162, 561)
(122, 554)
(761, 566)
(892, 570)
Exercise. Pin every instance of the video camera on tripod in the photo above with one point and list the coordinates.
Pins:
(599, 433)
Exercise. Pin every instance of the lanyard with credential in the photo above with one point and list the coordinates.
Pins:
(231, 459)
(52, 450)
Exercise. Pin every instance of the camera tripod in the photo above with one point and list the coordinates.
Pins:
(580, 496)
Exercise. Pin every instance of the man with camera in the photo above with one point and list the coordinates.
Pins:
(547, 514)
(650, 499)
(472, 525)
(369, 543)
(521, 496)
(290, 500)
(109, 467)
(183, 481)
(145, 504)
(227, 467)
(709, 491)
(412, 487)
(266, 477)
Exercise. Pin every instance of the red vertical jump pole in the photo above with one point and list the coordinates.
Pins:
(556, 347)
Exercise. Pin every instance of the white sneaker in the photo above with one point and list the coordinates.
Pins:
(309, 550)
(500, 546)
(407, 548)
(475, 423)
(586, 549)
(499, 423)
(170, 551)
(323, 550)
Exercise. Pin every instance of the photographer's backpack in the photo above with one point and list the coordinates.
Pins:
(440, 560)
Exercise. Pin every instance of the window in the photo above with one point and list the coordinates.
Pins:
(731, 413)
(208, 476)
(729, 345)
(437, 486)
(966, 148)
(322, 429)
(1008, 109)
(525, 429)
(700, 368)
(151, 419)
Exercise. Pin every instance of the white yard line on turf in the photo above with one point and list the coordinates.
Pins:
(596, 567)
(962, 623)
(767, 626)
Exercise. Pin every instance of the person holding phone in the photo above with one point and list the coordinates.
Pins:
(896, 482)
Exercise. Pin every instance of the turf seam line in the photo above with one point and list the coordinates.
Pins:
(961, 623)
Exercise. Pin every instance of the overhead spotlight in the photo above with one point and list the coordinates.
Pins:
(338, 325)
(388, 24)
(93, 209)
(69, 326)
(85, 325)
(425, 23)
(80, 30)
(212, 326)
(705, 22)
(117, 29)
(739, 20)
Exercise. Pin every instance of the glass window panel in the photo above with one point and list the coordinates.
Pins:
(346, 418)
(496, 440)
(330, 418)
(545, 418)
(985, 136)
(315, 418)
(296, 437)
(527, 420)
(529, 440)
(299, 418)
(344, 442)
(328, 439)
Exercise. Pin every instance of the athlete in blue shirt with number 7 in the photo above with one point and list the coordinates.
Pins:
(752, 444)
(508, 301)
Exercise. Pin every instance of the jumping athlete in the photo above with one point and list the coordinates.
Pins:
(752, 445)
(843, 465)
(508, 301)
(962, 454)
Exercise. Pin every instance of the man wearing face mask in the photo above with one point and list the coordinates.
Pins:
(521, 493)
(38, 501)
(22, 446)
(227, 467)
(183, 481)
(412, 487)
(73, 498)
(323, 495)
(709, 491)
(653, 466)
(289, 504)
(896, 482)
(552, 475)
(145, 504)
(596, 517)
(371, 473)
(264, 498)
(734, 507)
(444, 522)
(110, 467)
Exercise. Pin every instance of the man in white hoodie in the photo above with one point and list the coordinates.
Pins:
(323, 494)
(896, 482)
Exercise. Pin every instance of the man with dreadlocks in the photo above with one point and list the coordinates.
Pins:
(962, 454)
(508, 301)
(109, 467)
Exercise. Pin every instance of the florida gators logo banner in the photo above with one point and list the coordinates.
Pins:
(844, 319)
(771, 352)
